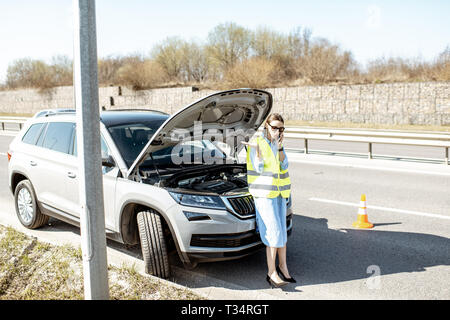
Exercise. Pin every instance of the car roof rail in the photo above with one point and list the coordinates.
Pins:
(54, 112)
(129, 109)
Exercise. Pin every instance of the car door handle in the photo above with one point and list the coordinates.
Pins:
(71, 175)
(32, 163)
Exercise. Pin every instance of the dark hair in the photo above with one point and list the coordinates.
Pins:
(271, 117)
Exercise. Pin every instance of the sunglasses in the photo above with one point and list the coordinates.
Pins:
(281, 129)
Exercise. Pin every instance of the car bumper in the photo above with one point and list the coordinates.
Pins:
(220, 247)
(223, 235)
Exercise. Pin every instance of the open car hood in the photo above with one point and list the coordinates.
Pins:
(230, 116)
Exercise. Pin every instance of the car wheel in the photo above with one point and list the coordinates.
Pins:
(27, 209)
(153, 244)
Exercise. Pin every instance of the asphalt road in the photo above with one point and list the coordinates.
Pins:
(405, 256)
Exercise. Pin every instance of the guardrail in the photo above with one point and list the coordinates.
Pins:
(370, 137)
(17, 120)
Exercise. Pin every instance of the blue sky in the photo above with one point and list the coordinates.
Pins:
(369, 29)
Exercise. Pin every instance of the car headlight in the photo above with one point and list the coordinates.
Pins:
(194, 200)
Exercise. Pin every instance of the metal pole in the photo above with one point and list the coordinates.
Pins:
(92, 219)
(446, 156)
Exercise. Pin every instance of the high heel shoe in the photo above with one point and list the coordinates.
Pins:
(291, 280)
(274, 284)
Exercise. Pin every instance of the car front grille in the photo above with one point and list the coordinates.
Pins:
(242, 206)
(232, 240)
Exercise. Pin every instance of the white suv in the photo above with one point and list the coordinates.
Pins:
(170, 182)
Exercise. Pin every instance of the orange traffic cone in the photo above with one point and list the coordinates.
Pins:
(362, 222)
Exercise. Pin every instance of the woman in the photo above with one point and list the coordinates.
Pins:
(269, 184)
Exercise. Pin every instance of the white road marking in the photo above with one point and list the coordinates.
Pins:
(9, 133)
(417, 213)
(370, 167)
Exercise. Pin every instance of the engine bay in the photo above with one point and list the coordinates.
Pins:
(218, 179)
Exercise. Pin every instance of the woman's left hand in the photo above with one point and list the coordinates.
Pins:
(280, 140)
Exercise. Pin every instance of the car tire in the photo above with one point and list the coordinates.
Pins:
(153, 244)
(27, 208)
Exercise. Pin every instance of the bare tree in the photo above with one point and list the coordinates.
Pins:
(227, 44)
(169, 54)
(269, 44)
(325, 62)
(28, 73)
(195, 66)
(62, 69)
(299, 42)
(441, 68)
(108, 68)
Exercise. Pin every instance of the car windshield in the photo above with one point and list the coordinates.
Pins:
(130, 138)
(190, 153)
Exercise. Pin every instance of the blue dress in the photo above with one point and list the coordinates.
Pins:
(270, 212)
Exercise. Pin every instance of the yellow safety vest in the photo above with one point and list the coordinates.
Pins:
(272, 181)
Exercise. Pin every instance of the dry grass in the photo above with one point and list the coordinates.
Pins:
(32, 270)
(10, 114)
(143, 74)
(252, 73)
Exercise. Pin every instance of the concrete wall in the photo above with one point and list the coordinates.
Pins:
(424, 103)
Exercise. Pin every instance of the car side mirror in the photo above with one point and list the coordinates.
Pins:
(108, 162)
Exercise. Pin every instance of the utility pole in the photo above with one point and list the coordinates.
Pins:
(92, 215)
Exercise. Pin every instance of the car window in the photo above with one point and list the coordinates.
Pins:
(42, 135)
(104, 147)
(32, 133)
(104, 150)
(58, 136)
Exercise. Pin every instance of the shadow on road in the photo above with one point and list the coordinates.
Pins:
(319, 255)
